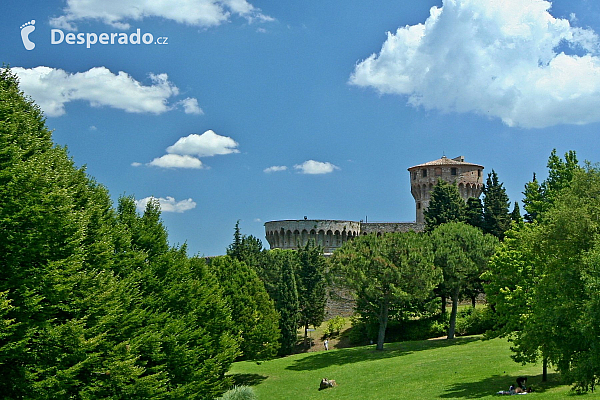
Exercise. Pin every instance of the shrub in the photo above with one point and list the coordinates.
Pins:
(335, 325)
(239, 393)
(474, 321)
(362, 331)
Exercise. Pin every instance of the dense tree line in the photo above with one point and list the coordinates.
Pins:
(294, 279)
(94, 303)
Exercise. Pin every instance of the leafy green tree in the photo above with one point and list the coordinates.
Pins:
(461, 252)
(496, 218)
(252, 310)
(312, 286)
(560, 173)
(387, 272)
(539, 197)
(445, 205)
(544, 284)
(510, 289)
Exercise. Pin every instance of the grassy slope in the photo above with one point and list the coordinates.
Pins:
(467, 368)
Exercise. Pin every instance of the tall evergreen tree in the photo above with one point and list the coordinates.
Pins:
(85, 312)
(515, 215)
(474, 212)
(285, 262)
(252, 310)
(533, 200)
(248, 249)
(287, 303)
(312, 291)
(445, 205)
(496, 217)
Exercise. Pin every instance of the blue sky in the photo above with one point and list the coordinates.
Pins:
(266, 110)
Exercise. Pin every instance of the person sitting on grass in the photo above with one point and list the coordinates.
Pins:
(521, 385)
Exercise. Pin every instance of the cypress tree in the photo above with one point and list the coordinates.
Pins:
(496, 217)
(445, 205)
(474, 212)
(286, 297)
(252, 310)
(312, 291)
(93, 303)
(515, 215)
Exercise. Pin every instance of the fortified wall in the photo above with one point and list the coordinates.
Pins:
(329, 234)
(332, 234)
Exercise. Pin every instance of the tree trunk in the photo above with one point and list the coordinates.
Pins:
(383, 320)
(443, 305)
(306, 343)
(473, 301)
(452, 327)
(545, 370)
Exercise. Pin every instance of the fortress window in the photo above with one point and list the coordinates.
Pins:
(418, 206)
(424, 173)
(414, 175)
(479, 173)
(438, 172)
(453, 171)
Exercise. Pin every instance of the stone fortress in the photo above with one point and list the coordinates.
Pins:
(332, 234)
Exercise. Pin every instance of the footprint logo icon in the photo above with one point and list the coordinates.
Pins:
(26, 29)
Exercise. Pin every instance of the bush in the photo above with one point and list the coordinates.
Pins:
(469, 321)
(362, 332)
(335, 325)
(417, 329)
(239, 393)
(474, 321)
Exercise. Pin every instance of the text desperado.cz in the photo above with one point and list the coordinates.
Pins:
(57, 36)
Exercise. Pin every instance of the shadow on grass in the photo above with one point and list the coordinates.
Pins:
(326, 359)
(247, 379)
(496, 383)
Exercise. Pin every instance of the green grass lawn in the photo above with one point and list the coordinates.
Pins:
(466, 368)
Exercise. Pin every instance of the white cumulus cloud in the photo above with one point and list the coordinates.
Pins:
(52, 88)
(176, 161)
(168, 204)
(313, 167)
(205, 145)
(509, 59)
(275, 168)
(117, 13)
(186, 151)
(190, 106)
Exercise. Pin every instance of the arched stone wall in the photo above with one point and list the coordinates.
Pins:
(330, 234)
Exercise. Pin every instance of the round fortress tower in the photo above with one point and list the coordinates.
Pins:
(423, 177)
